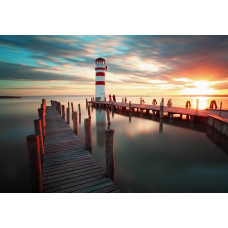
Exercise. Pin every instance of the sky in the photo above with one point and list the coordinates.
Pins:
(137, 65)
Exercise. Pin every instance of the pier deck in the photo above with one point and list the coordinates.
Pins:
(173, 110)
(66, 166)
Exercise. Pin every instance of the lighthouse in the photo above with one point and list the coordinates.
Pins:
(100, 69)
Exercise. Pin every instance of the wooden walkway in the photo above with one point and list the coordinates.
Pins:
(174, 110)
(66, 166)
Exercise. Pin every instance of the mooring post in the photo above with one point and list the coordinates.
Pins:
(44, 102)
(89, 112)
(87, 102)
(109, 152)
(63, 112)
(88, 134)
(38, 132)
(162, 108)
(130, 110)
(220, 110)
(72, 108)
(41, 117)
(75, 123)
(44, 114)
(79, 110)
(60, 109)
(68, 116)
(35, 162)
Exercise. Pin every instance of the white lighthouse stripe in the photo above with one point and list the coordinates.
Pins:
(100, 78)
(100, 71)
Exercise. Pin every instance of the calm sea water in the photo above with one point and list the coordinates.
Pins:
(150, 156)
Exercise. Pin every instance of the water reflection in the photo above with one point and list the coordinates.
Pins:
(100, 126)
(161, 126)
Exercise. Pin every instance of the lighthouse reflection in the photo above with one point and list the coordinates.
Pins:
(100, 125)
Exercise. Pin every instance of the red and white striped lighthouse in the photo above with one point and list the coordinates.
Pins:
(100, 79)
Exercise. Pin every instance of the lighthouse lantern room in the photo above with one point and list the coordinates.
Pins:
(100, 79)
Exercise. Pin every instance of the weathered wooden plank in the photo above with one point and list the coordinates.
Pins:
(79, 181)
(67, 166)
(85, 187)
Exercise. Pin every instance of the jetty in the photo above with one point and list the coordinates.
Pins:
(216, 119)
(58, 159)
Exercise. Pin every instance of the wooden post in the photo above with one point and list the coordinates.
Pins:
(44, 114)
(41, 117)
(68, 116)
(99, 104)
(60, 109)
(79, 110)
(162, 108)
(109, 152)
(220, 110)
(63, 111)
(35, 162)
(72, 109)
(88, 134)
(38, 132)
(130, 110)
(44, 102)
(89, 113)
(75, 123)
(87, 102)
(68, 104)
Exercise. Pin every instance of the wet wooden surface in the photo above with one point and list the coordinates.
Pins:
(66, 166)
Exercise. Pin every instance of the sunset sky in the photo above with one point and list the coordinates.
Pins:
(137, 65)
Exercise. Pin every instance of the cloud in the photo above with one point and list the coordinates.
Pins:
(11, 71)
(146, 61)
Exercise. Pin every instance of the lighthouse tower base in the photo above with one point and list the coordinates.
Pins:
(100, 93)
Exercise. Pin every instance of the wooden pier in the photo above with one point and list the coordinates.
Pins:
(216, 119)
(66, 165)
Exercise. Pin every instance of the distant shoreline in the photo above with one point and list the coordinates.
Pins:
(9, 97)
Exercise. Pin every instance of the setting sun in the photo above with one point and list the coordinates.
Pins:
(199, 88)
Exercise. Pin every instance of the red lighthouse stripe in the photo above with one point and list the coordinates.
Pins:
(100, 73)
(99, 68)
(100, 83)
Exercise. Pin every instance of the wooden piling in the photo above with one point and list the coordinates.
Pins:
(41, 117)
(109, 152)
(60, 109)
(75, 123)
(72, 109)
(68, 116)
(130, 110)
(89, 112)
(63, 112)
(35, 162)
(38, 132)
(87, 102)
(162, 108)
(220, 110)
(79, 109)
(88, 134)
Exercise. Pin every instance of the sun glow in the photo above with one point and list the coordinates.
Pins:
(199, 88)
